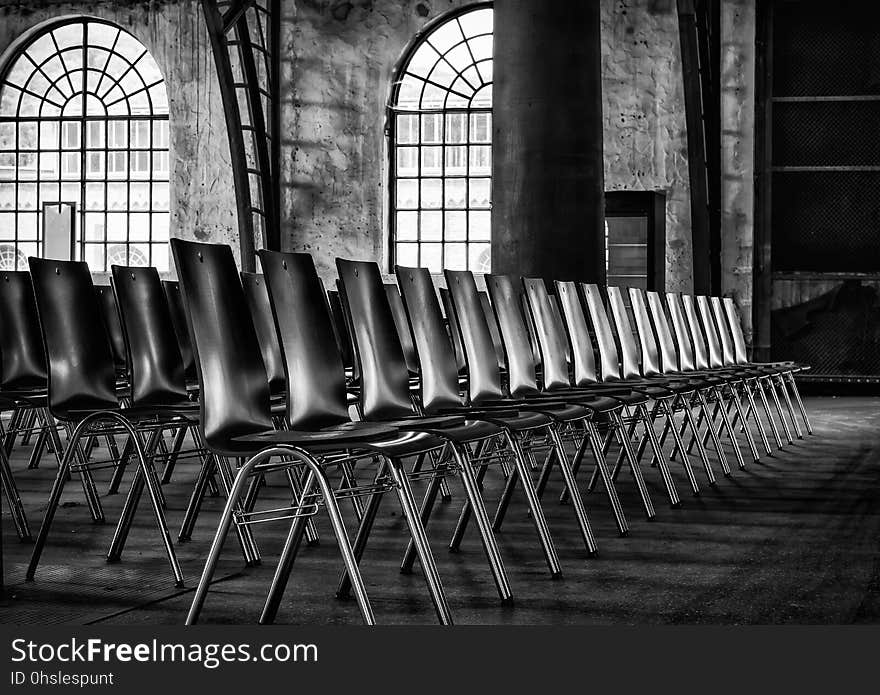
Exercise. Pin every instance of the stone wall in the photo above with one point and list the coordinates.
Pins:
(645, 134)
(202, 194)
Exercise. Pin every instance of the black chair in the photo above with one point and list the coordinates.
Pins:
(652, 367)
(711, 360)
(385, 395)
(83, 395)
(440, 394)
(236, 422)
(261, 314)
(622, 366)
(398, 312)
(672, 363)
(171, 289)
(693, 359)
(157, 378)
(110, 317)
(556, 358)
(788, 369)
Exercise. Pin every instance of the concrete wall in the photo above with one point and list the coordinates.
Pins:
(202, 194)
(645, 133)
(738, 152)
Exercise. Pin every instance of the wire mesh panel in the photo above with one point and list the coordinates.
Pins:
(84, 120)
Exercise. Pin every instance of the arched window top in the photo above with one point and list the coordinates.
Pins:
(83, 67)
(450, 65)
(440, 145)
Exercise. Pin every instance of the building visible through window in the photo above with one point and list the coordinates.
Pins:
(440, 121)
(84, 120)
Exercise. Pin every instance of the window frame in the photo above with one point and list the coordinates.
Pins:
(84, 71)
(393, 110)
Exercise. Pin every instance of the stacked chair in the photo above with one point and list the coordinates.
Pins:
(371, 388)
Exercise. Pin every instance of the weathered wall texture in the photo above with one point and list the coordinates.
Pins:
(645, 134)
(202, 195)
(738, 151)
(333, 141)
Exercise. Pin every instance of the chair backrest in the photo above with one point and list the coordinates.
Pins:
(112, 325)
(398, 312)
(494, 331)
(626, 336)
(723, 331)
(378, 353)
(178, 320)
(609, 359)
(21, 345)
(651, 365)
(452, 328)
(575, 322)
(739, 340)
(484, 375)
(257, 296)
(698, 339)
(716, 359)
(668, 356)
(438, 369)
(549, 335)
(313, 367)
(505, 291)
(687, 359)
(82, 374)
(234, 388)
(340, 329)
(155, 371)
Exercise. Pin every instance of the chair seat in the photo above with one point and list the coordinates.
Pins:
(140, 414)
(512, 419)
(455, 428)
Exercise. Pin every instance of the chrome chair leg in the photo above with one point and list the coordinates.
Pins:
(249, 547)
(657, 449)
(680, 446)
(626, 446)
(716, 441)
(780, 384)
(728, 427)
(768, 413)
(428, 502)
(195, 501)
(800, 403)
(737, 405)
(119, 471)
(16, 508)
(754, 411)
(772, 389)
(490, 544)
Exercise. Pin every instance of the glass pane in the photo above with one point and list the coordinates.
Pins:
(160, 257)
(27, 136)
(49, 132)
(27, 166)
(117, 226)
(139, 196)
(407, 254)
(161, 195)
(456, 226)
(432, 193)
(432, 161)
(407, 129)
(446, 36)
(479, 258)
(407, 226)
(94, 226)
(27, 196)
(432, 226)
(423, 60)
(94, 196)
(481, 127)
(139, 226)
(49, 165)
(456, 127)
(27, 226)
(407, 193)
(478, 193)
(480, 226)
(94, 256)
(456, 193)
(7, 136)
(455, 257)
(159, 226)
(481, 160)
(432, 257)
(7, 166)
(95, 134)
(407, 161)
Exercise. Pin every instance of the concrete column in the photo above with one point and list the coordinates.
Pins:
(548, 184)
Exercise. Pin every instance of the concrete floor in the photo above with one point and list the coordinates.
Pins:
(792, 539)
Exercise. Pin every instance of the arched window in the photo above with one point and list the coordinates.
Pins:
(440, 124)
(84, 120)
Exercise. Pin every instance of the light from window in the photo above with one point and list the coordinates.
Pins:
(441, 147)
(84, 120)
